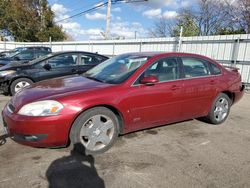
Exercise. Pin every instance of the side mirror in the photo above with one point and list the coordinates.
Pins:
(16, 58)
(149, 80)
(47, 66)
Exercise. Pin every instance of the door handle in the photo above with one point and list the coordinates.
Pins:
(212, 82)
(175, 87)
(74, 70)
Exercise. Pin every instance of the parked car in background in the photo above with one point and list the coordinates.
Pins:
(16, 76)
(4, 54)
(126, 93)
(23, 54)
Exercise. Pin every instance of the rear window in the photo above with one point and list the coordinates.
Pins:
(215, 69)
(194, 67)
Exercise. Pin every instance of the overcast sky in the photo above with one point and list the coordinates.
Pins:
(125, 18)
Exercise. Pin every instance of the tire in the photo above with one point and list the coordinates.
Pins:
(91, 134)
(220, 109)
(19, 83)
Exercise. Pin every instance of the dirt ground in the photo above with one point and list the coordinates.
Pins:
(187, 154)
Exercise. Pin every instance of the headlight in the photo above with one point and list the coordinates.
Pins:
(8, 72)
(41, 108)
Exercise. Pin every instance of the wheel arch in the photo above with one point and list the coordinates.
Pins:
(110, 107)
(230, 94)
(16, 78)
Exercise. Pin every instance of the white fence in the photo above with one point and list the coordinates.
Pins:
(228, 49)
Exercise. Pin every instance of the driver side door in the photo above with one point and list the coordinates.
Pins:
(160, 103)
(57, 66)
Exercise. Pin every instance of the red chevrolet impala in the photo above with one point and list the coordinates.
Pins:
(126, 93)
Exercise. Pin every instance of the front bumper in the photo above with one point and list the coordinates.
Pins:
(50, 131)
(4, 85)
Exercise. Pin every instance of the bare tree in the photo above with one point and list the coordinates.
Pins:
(239, 12)
(211, 16)
(162, 28)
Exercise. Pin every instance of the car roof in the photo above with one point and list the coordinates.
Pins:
(63, 52)
(155, 54)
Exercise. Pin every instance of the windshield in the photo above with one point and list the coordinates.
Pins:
(13, 53)
(41, 58)
(117, 69)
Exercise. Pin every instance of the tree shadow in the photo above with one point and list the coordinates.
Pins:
(75, 170)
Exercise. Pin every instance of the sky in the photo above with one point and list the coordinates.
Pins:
(127, 19)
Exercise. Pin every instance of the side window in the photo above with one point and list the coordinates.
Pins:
(25, 55)
(63, 60)
(100, 59)
(195, 67)
(86, 60)
(39, 65)
(164, 69)
(215, 69)
(40, 53)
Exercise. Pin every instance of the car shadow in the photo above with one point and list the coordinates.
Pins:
(75, 170)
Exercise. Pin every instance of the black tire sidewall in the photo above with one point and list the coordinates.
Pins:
(211, 117)
(79, 122)
(13, 84)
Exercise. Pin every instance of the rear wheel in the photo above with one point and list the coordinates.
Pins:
(95, 129)
(220, 109)
(18, 84)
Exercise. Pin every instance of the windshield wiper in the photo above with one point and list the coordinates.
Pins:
(92, 78)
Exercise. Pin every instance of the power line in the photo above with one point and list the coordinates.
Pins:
(80, 8)
(98, 7)
(84, 12)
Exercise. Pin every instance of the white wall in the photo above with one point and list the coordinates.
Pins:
(231, 48)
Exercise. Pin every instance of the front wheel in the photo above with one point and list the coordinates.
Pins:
(220, 109)
(18, 84)
(95, 129)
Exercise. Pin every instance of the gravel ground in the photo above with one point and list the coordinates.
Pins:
(186, 154)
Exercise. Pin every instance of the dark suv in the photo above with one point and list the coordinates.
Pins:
(16, 75)
(23, 54)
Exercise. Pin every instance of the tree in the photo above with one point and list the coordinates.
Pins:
(162, 28)
(239, 11)
(211, 16)
(29, 20)
(187, 21)
(230, 31)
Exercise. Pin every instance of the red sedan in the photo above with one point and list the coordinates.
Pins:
(126, 93)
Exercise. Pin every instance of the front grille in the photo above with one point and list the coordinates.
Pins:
(11, 108)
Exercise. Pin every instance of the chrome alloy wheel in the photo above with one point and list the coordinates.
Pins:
(20, 85)
(221, 109)
(97, 132)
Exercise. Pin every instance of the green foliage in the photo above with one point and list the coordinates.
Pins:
(230, 31)
(190, 28)
(29, 20)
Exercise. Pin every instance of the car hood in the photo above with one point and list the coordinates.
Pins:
(4, 62)
(5, 59)
(50, 89)
(13, 65)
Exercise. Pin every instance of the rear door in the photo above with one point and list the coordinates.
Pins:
(199, 87)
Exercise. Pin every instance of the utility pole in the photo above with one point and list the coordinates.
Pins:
(180, 39)
(41, 15)
(135, 34)
(108, 20)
